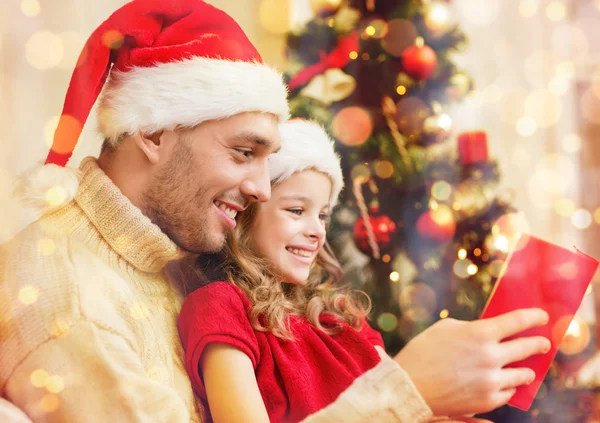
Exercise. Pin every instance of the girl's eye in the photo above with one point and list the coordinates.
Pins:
(297, 212)
(324, 217)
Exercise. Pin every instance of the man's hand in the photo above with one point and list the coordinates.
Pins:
(459, 420)
(9, 413)
(458, 366)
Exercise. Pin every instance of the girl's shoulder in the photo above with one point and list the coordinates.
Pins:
(215, 299)
(217, 291)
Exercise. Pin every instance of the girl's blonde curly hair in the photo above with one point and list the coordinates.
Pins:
(273, 301)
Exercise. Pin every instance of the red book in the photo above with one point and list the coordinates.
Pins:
(539, 274)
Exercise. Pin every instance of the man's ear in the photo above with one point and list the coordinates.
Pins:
(150, 145)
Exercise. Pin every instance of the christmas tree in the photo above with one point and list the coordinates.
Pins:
(422, 227)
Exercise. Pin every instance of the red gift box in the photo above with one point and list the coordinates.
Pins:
(539, 274)
(472, 147)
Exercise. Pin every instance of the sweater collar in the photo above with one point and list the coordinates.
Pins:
(124, 227)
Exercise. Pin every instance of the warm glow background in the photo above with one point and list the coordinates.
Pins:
(534, 62)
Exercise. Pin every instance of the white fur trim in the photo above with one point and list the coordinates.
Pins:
(46, 188)
(306, 145)
(186, 93)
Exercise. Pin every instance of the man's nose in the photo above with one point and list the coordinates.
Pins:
(257, 187)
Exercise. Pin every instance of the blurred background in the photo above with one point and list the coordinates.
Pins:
(461, 123)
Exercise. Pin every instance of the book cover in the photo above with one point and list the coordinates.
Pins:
(539, 274)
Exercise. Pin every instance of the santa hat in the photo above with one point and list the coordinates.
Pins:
(163, 65)
(305, 145)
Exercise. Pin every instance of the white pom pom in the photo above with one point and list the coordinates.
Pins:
(47, 188)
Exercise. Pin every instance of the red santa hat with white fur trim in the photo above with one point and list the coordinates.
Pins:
(305, 145)
(161, 65)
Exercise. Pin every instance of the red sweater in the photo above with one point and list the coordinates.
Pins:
(295, 378)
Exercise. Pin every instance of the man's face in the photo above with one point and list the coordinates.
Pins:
(211, 172)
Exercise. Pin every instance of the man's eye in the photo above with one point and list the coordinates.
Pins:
(245, 153)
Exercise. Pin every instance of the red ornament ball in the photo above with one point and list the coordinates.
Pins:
(419, 62)
(438, 224)
(383, 229)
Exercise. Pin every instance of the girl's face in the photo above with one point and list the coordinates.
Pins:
(289, 229)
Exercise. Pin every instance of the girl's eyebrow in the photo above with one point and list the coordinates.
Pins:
(300, 197)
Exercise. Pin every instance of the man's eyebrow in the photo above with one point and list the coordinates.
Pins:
(255, 139)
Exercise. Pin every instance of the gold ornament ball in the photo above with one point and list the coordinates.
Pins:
(437, 128)
(459, 85)
(325, 7)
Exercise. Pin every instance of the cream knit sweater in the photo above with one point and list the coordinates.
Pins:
(88, 323)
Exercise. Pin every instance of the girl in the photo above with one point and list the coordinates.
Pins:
(278, 331)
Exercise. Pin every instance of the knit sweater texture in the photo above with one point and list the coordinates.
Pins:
(88, 323)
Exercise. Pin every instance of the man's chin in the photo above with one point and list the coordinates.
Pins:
(213, 245)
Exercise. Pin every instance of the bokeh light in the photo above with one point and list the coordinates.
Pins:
(564, 207)
(461, 268)
(495, 243)
(73, 44)
(401, 34)
(44, 50)
(49, 129)
(387, 322)
(581, 219)
(597, 215)
(528, 8)
(437, 16)
(378, 28)
(361, 171)
(384, 169)
(56, 196)
(352, 126)
(441, 190)
(556, 11)
(479, 13)
(274, 16)
(55, 384)
(462, 254)
(394, 276)
(559, 85)
(444, 314)
(30, 8)
(472, 269)
(39, 378)
(29, 294)
(571, 143)
(50, 403)
(576, 338)
(526, 126)
(543, 107)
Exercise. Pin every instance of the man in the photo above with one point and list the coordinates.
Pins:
(87, 316)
